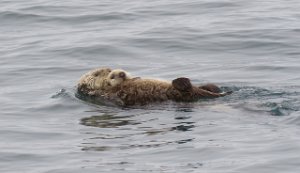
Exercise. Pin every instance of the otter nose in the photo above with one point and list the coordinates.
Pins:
(122, 75)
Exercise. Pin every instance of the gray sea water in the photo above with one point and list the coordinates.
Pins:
(250, 47)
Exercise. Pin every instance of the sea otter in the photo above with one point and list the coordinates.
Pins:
(117, 76)
(128, 91)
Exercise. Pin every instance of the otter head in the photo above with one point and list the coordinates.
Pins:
(117, 76)
(95, 79)
(100, 78)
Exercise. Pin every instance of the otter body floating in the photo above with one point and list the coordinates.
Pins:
(119, 87)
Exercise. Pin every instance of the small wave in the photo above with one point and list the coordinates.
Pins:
(182, 8)
(274, 102)
(92, 50)
(293, 119)
(12, 17)
(60, 93)
(52, 9)
(282, 108)
(248, 92)
(272, 68)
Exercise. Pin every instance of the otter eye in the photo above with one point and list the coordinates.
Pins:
(122, 75)
(96, 74)
(112, 76)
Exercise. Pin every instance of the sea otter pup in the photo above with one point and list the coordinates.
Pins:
(117, 76)
(118, 86)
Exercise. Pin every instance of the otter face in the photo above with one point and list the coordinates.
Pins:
(116, 77)
(100, 78)
(95, 79)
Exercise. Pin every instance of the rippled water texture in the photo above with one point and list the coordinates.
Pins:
(250, 47)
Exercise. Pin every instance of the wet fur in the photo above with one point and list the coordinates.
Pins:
(144, 91)
(94, 80)
(137, 91)
(117, 76)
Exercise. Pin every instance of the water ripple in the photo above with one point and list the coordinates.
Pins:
(28, 18)
(250, 47)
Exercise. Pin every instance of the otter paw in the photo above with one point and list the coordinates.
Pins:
(182, 84)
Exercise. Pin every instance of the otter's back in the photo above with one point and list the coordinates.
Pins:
(143, 91)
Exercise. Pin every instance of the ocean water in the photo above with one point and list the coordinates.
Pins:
(250, 47)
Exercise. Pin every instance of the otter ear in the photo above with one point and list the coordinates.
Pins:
(182, 84)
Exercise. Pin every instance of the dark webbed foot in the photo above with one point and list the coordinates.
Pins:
(182, 84)
(211, 87)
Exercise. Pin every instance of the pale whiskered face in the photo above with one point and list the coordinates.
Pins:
(100, 78)
(95, 79)
(116, 77)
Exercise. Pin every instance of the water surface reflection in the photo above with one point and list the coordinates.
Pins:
(125, 132)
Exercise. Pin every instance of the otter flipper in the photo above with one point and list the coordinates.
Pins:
(190, 92)
(211, 87)
(201, 93)
(182, 84)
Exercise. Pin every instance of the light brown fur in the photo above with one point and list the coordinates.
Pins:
(94, 80)
(137, 91)
(144, 91)
(117, 76)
